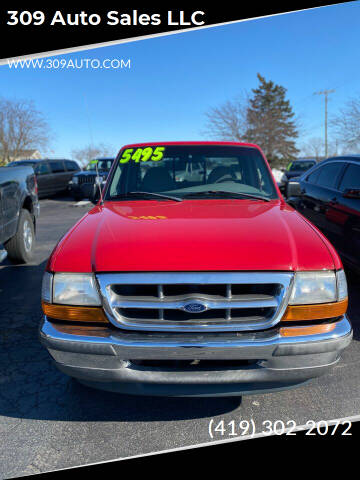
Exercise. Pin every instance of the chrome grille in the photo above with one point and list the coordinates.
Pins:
(230, 301)
(86, 179)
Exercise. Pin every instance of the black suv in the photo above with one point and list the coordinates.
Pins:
(329, 196)
(82, 183)
(52, 175)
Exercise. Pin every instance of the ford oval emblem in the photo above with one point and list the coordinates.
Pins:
(194, 307)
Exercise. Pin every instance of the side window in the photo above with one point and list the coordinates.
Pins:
(351, 178)
(71, 166)
(57, 167)
(329, 175)
(42, 169)
(313, 177)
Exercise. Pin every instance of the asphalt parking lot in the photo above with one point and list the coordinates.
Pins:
(48, 421)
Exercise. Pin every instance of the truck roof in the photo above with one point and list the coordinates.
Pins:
(233, 144)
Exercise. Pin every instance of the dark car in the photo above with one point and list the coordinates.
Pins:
(82, 183)
(19, 208)
(329, 196)
(52, 175)
(295, 169)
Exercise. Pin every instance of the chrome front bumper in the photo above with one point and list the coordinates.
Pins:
(278, 362)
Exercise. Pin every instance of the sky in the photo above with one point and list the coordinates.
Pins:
(175, 79)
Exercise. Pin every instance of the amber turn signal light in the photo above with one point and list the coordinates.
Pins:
(315, 312)
(74, 314)
(311, 330)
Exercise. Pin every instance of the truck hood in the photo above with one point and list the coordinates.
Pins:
(193, 235)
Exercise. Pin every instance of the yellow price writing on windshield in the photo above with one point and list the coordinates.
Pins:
(142, 154)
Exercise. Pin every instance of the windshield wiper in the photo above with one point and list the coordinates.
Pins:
(146, 194)
(225, 192)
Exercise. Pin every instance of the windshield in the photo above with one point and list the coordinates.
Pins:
(300, 166)
(191, 170)
(101, 165)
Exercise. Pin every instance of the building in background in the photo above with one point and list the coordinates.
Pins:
(32, 154)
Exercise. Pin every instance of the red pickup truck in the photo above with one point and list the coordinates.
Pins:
(196, 285)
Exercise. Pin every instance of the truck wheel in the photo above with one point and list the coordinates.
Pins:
(21, 246)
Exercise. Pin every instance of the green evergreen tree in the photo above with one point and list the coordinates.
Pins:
(270, 122)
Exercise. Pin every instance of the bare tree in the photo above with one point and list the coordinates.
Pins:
(347, 124)
(22, 127)
(335, 148)
(90, 152)
(314, 147)
(228, 121)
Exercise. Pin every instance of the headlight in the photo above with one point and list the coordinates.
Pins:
(318, 287)
(317, 296)
(70, 289)
(75, 180)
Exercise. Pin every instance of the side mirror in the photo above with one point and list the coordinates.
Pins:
(293, 189)
(351, 193)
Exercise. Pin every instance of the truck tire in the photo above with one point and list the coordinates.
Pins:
(21, 246)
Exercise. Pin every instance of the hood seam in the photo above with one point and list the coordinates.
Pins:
(319, 236)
